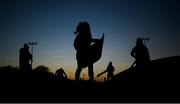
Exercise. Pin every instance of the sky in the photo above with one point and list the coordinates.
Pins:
(51, 23)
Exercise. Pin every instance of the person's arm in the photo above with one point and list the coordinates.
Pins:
(30, 56)
(132, 52)
(65, 74)
(113, 69)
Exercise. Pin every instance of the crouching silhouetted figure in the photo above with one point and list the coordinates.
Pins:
(24, 58)
(61, 74)
(141, 54)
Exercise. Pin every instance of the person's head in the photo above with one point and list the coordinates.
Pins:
(59, 71)
(83, 27)
(110, 63)
(26, 46)
(139, 41)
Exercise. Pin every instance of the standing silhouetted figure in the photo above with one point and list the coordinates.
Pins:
(24, 58)
(110, 69)
(82, 45)
(141, 54)
(61, 74)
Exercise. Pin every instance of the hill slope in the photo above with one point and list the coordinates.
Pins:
(158, 82)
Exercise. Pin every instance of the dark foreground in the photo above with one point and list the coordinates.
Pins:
(159, 82)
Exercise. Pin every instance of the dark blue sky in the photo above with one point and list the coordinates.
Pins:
(51, 23)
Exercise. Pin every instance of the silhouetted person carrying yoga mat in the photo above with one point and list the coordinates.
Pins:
(110, 69)
(24, 58)
(87, 53)
(141, 54)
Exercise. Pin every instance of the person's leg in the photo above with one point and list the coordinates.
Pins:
(108, 76)
(78, 72)
(90, 72)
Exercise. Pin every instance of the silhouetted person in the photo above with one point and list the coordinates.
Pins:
(141, 54)
(82, 45)
(110, 69)
(24, 58)
(61, 74)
